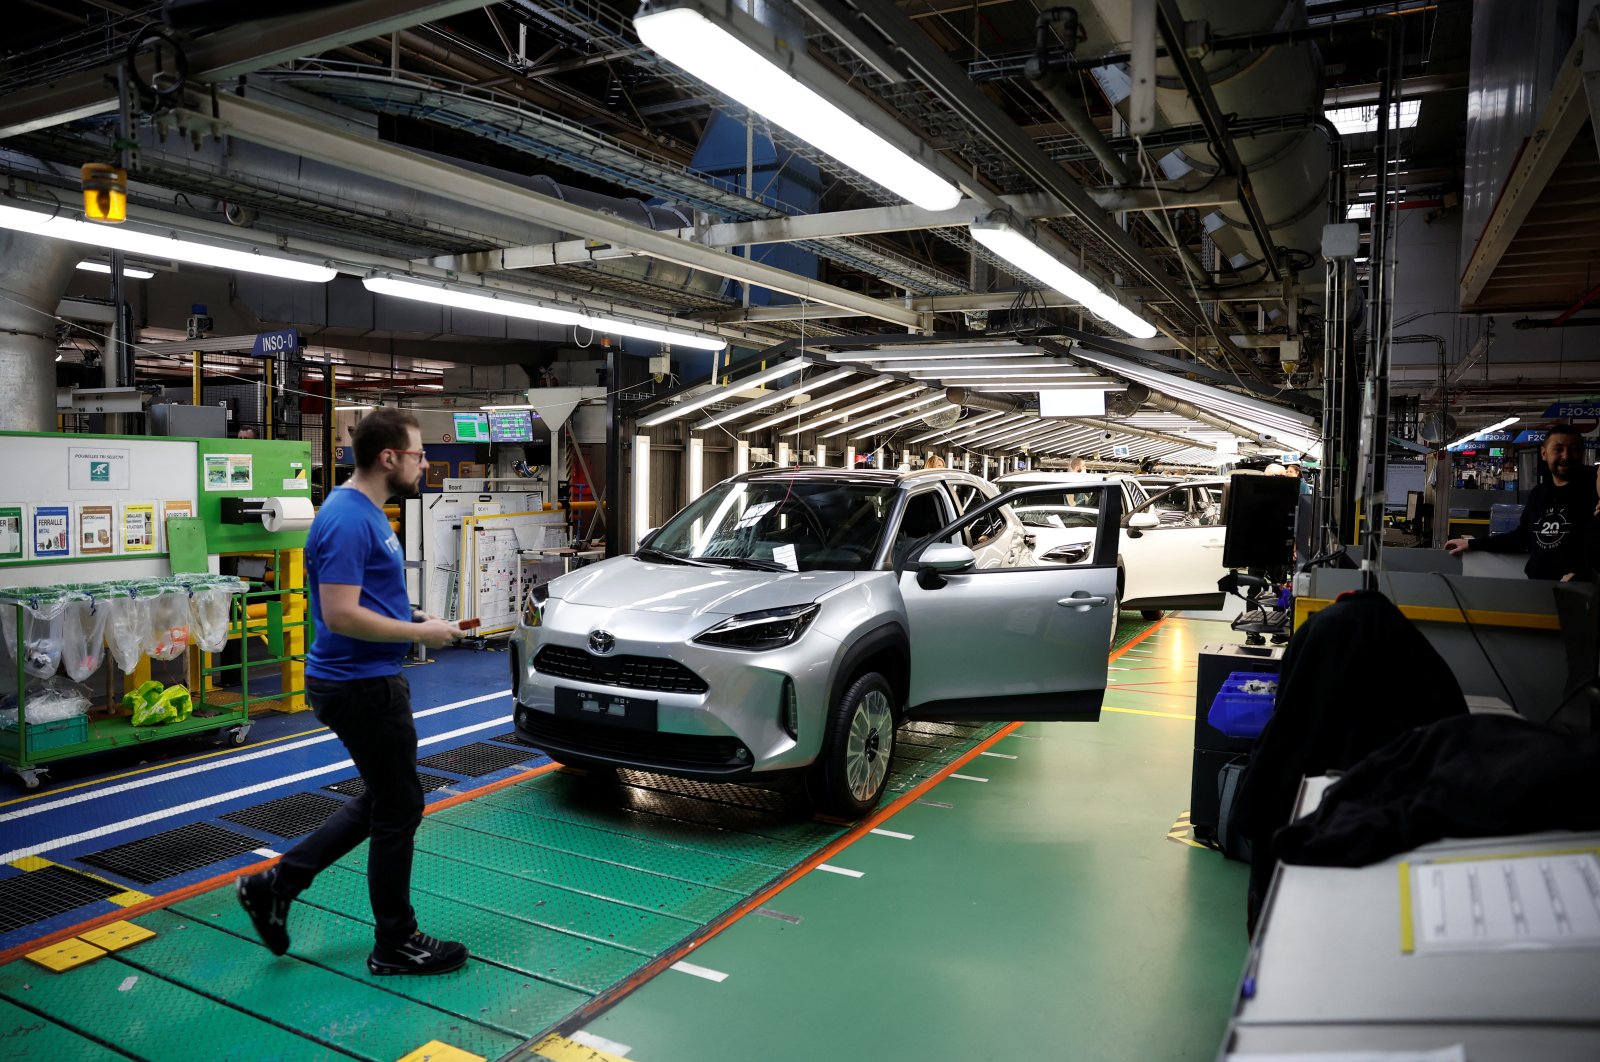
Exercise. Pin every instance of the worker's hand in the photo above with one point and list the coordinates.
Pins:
(1457, 546)
(436, 633)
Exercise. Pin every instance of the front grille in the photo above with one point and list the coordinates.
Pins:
(629, 672)
(644, 749)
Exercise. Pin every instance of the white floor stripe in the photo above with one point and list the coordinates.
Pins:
(998, 755)
(841, 870)
(700, 971)
(892, 833)
(969, 778)
(599, 1043)
(219, 798)
(217, 764)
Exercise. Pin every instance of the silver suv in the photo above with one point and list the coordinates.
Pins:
(787, 620)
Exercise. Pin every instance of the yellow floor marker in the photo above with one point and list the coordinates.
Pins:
(438, 1051)
(557, 1048)
(116, 935)
(65, 955)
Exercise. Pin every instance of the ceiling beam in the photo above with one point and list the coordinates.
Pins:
(250, 120)
(227, 53)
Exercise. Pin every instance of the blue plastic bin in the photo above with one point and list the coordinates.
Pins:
(1239, 712)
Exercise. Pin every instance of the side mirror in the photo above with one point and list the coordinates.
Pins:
(1144, 521)
(940, 559)
(947, 557)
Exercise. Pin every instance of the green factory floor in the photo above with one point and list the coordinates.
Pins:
(1031, 904)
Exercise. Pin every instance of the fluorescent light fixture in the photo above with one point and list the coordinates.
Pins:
(505, 306)
(927, 398)
(1017, 242)
(717, 394)
(1364, 119)
(1042, 372)
(1496, 426)
(163, 248)
(1357, 211)
(756, 405)
(338, 408)
(490, 409)
(131, 272)
(844, 412)
(736, 55)
(934, 353)
(872, 383)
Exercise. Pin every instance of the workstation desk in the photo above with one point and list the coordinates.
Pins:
(1329, 973)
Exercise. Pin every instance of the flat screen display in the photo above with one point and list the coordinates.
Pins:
(510, 426)
(472, 427)
(1497, 451)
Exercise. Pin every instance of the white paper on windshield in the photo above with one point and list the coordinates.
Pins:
(784, 555)
(755, 513)
(1532, 900)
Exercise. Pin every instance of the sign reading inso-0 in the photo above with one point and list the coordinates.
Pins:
(97, 468)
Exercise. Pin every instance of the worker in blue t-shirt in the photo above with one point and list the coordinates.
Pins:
(364, 620)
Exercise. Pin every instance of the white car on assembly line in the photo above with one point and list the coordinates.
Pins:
(787, 620)
(1170, 555)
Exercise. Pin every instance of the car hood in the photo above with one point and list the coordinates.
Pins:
(676, 589)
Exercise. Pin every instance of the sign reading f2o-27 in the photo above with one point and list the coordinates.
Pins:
(269, 344)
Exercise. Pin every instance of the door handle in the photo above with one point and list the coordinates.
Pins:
(1082, 600)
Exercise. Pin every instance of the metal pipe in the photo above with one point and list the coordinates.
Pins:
(962, 396)
(1052, 85)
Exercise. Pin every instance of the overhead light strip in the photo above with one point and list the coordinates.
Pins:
(1496, 426)
(507, 306)
(1018, 242)
(131, 272)
(829, 401)
(741, 58)
(757, 405)
(720, 394)
(164, 248)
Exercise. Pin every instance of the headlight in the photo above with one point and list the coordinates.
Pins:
(1073, 554)
(533, 605)
(772, 628)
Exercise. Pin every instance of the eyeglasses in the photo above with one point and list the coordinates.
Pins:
(420, 455)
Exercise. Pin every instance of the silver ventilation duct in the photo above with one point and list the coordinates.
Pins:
(36, 273)
(962, 396)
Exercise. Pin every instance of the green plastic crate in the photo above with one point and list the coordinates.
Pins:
(51, 735)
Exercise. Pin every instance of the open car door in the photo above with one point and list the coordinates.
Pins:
(1022, 642)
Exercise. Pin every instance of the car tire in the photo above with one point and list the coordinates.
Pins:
(1150, 613)
(851, 773)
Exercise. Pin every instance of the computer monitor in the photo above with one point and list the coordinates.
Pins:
(1259, 512)
(510, 426)
(1413, 505)
(472, 427)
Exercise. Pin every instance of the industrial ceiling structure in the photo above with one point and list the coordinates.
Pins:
(535, 158)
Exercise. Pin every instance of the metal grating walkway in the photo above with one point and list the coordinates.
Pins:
(290, 816)
(38, 894)
(354, 787)
(476, 760)
(165, 855)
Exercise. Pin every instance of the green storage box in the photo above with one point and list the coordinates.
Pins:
(51, 735)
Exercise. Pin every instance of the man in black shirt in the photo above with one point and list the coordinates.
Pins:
(1556, 517)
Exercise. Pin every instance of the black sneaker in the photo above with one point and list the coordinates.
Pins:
(268, 909)
(420, 954)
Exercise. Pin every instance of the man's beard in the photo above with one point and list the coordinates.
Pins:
(403, 487)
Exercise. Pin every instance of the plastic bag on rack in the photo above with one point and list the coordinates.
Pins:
(208, 616)
(42, 619)
(83, 634)
(48, 701)
(167, 633)
(127, 623)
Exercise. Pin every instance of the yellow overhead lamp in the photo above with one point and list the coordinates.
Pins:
(773, 76)
(105, 193)
(1020, 243)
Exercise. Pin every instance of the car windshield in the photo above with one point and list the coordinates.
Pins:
(780, 524)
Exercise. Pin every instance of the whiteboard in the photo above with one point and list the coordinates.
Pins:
(35, 470)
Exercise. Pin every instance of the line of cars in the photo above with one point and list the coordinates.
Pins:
(787, 621)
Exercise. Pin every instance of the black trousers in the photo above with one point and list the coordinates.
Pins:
(373, 719)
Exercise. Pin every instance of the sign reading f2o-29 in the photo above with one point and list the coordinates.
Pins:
(1587, 409)
(269, 344)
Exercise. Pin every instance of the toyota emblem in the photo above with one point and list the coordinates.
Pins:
(601, 642)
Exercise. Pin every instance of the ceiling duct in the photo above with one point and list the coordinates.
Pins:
(962, 396)
(1138, 396)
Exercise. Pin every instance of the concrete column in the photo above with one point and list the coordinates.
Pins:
(34, 271)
